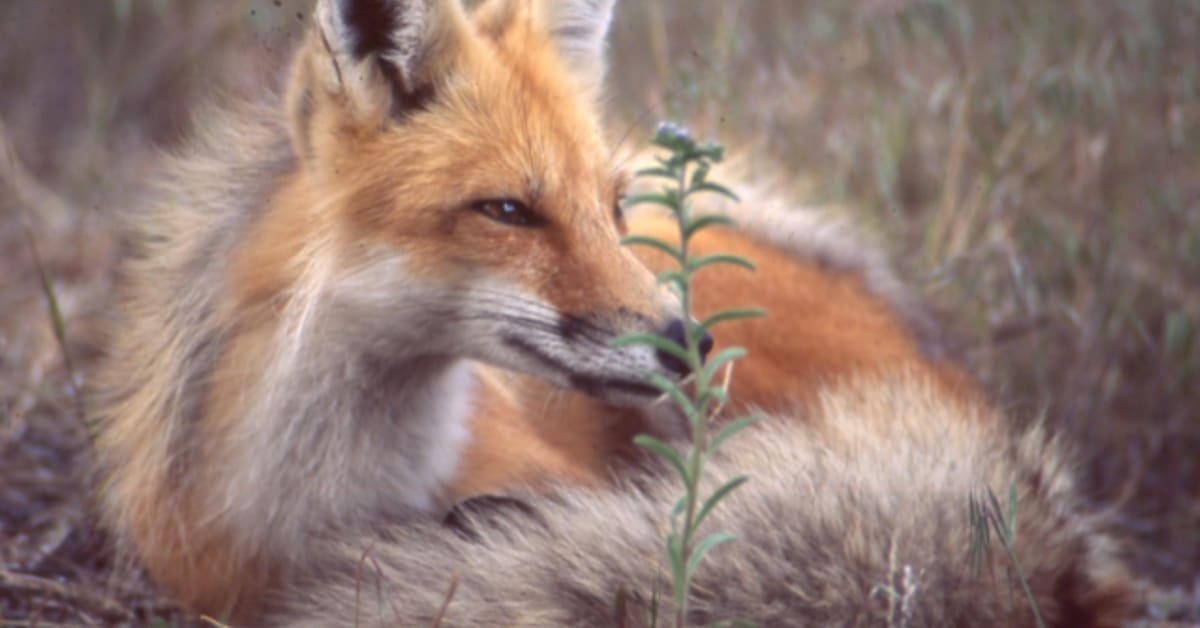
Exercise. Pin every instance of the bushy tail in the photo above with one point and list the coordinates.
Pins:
(858, 516)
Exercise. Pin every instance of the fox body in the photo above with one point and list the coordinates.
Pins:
(396, 287)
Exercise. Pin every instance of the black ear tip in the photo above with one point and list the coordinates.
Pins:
(369, 25)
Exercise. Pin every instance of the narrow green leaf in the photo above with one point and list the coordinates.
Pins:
(677, 509)
(696, 263)
(704, 398)
(717, 496)
(717, 188)
(981, 540)
(712, 394)
(654, 243)
(708, 373)
(706, 545)
(700, 175)
(696, 421)
(732, 315)
(678, 568)
(677, 277)
(664, 173)
(667, 199)
(704, 222)
(56, 318)
(677, 395)
(662, 450)
(1012, 511)
(693, 328)
(712, 151)
(731, 428)
(996, 515)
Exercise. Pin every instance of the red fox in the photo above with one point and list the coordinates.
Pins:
(395, 287)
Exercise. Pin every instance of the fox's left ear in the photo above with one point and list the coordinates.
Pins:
(579, 29)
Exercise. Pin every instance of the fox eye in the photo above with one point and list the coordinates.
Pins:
(508, 211)
(619, 208)
(619, 217)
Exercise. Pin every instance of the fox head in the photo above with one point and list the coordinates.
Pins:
(466, 186)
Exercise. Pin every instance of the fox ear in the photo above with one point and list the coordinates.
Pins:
(385, 54)
(579, 29)
(366, 62)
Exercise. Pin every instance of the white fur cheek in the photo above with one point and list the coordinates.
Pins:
(378, 282)
(381, 302)
(456, 395)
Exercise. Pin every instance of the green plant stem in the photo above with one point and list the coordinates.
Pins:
(695, 459)
(687, 168)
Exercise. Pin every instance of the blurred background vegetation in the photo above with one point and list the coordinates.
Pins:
(1034, 166)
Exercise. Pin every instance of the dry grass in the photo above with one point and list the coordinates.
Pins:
(1036, 166)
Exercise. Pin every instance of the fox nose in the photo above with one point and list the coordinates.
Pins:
(675, 332)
